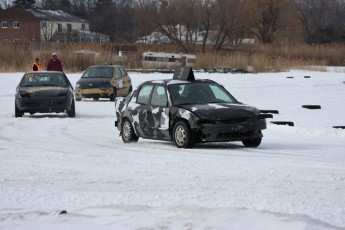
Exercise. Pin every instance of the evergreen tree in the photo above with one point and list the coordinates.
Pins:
(24, 3)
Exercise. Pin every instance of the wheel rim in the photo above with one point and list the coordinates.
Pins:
(126, 131)
(180, 135)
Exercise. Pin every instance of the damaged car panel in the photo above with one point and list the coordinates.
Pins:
(44, 92)
(188, 112)
(103, 81)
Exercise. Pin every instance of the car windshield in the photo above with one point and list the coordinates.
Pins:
(98, 72)
(199, 93)
(44, 79)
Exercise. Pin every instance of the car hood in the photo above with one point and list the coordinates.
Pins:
(91, 82)
(222, 111)
(44, 91)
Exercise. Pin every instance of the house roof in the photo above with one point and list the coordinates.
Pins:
(55, 15)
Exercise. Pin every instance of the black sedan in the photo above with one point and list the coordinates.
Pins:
(187, 111)
(44, 92)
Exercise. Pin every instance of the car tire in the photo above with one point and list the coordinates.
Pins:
(71, 112)
(113, 95)
(183, 136)
(127, 132)
(252, 142)
(17, 111)
(78, 99)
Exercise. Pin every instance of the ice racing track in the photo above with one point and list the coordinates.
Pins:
(51, 163)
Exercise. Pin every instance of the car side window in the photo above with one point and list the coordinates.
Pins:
(118, 73)
(159, 96)
(144, 94)
(123, 72)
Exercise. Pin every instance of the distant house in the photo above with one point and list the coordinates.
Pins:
(20, 25)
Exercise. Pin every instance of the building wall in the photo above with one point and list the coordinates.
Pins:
(49, 28)
(28, 30)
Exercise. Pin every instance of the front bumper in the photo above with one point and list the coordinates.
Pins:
(93, 92)
(232, 132)
(44, 104)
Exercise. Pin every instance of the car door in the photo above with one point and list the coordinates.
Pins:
(158, 113)
(152, 112)
(139, 112)
(120, 86)
(123, 81)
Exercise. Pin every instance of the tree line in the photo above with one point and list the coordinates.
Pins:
(209, 23)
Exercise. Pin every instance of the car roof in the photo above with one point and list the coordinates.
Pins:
(44, 71)
(175, 81)
(105, 65)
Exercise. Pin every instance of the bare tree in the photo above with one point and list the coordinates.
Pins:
(229, 21)
(323, 20)
(4, 4)
(24, 3)
(179, 21)
(46, 30)
(267, 22)
(206, 14)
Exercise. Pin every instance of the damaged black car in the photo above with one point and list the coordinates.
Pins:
(187, 111)
(44, 92)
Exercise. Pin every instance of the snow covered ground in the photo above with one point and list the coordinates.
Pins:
(294, 180)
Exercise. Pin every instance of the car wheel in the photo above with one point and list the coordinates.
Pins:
(183, 136)
(127, 132)
(71, 112)
(252, 142)
(78, 99)
(96, 98)
(113, 95)
(17, 112)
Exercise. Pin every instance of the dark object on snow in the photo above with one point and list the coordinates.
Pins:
(311, 106)
(306, 76)
(339, 127)
(63, 212)
(289, 123)
(289, 77)
(269, 111)
(187, 112)
(44, 92)
(227, 70)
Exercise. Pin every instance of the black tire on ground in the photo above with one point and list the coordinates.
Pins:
(312, 106)
(17, 112)
(289, 123)
(183, 136)
(113, 95)
(270, 111)
(252, 142)
(78, 99)
(127, 132)
(95, 98)
(71, 112)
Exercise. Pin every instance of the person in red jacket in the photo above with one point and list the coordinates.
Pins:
(54, 64)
